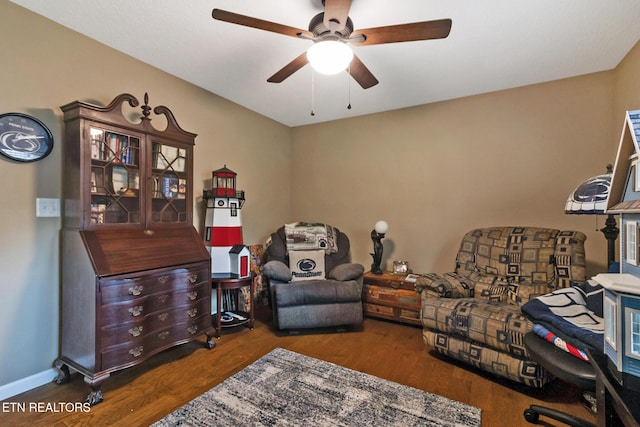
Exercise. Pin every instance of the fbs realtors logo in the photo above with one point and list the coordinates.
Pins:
(306, 266)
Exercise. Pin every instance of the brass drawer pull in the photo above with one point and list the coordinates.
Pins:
(193, 329)
(163, 316)
(136, 311)
(192, 313)
(193, 278)
(192, 295)
(163, 298)
(136, 352)
(136, 332)
(163, 279)
(163, 335)
(135, 290)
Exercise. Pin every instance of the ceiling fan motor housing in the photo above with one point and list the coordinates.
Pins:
(318, 29)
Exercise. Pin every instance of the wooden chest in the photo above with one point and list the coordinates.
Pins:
(389, 296)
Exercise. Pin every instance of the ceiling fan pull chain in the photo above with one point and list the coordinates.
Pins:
(349, 86)
(313, 92)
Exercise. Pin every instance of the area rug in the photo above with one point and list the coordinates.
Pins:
(284, 388)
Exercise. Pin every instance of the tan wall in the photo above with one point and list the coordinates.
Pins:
(48, 66)
(432, 171)
(627, 94)
(436, 171)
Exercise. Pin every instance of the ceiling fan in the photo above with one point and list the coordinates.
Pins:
(334, 25)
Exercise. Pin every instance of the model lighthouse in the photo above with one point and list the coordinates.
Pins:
(223, 226)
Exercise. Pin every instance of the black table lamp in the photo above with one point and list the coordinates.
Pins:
(377, 234)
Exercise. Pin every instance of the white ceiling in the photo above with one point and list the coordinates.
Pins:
(493, 45)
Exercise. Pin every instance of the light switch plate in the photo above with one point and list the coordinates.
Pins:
(47, 207)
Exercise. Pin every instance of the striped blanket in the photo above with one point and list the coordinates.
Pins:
(547, 335)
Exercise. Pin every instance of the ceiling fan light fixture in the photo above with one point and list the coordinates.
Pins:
(329, 56)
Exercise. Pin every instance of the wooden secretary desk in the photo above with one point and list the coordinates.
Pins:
(135, 273)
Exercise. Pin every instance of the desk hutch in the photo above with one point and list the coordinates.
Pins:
(135, 273)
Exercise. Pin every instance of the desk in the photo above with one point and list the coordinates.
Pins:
(225, 283)
(617, 405)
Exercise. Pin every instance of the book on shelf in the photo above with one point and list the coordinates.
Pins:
(97, 212)
(113, 148)
(134, 180)
(170, 186)
(94, 188)
(228, 300)
(182, 188)
(96, 145)
(130, 152)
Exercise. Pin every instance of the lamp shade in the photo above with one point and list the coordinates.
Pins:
(329, 56)
(590, 198)
(381, 227)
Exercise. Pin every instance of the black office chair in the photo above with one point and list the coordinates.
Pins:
(564, 366)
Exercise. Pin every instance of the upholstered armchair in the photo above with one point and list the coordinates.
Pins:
(310, 278)
(473, 313)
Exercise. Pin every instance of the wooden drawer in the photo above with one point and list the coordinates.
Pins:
(130, 288)
(378, 310)
(410, 316)
(130, 310)
(394, 297)
(131, 331)
(392, 313)
(153, 342)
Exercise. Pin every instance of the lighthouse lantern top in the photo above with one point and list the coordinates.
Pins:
(224, 182)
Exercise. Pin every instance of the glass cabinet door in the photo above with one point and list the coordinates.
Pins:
(169, 183)
(115, 177)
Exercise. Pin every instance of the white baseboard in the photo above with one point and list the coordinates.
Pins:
(28, 383)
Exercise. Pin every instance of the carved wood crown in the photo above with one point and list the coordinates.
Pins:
(113, 114)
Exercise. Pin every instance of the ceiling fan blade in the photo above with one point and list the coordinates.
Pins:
(426, 30)
(289, 69)
(336, 13)
(247, 21)
(361, 73)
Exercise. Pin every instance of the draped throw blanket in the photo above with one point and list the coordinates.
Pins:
(565, 313)
(307, 236)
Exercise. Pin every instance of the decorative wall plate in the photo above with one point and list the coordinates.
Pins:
(24, 138)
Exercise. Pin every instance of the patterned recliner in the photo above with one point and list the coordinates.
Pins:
(473, 314)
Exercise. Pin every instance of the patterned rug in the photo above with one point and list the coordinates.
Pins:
(284, 388)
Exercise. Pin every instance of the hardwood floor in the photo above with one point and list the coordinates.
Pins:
(143, 394)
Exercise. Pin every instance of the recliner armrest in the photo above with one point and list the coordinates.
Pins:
(448, 285)
(346, 271)
(277, 270)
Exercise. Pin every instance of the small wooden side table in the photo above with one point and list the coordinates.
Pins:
(390, 296)
(225, 283)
